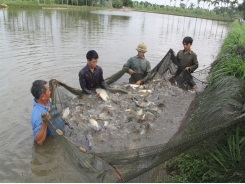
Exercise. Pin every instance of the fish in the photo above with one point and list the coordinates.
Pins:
(104, 114)
(132, 85)
(145, 90)
(153, 111)
(143, 104)
(94, 123)
(89, 139)
(104, 118)
(140, 112)
(117, 90)
(103, 94)
(65, 112)
(105, 124)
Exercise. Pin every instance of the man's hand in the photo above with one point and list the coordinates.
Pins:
(188, 68)
(98, 95)
(130, 71)
(138, 82)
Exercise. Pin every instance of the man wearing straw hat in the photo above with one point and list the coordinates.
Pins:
(138, 66)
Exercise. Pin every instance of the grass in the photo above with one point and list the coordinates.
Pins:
(21, 4)
(221, 163)
(196, 13)
(34, 4)
(230, 62)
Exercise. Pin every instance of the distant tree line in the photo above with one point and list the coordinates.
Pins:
(221, 7)
(229, 7)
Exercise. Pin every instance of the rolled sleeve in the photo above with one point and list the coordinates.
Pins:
(83, 83)
(128, 64)
(195, 62)
(148, 72)
(36, 117)
(36, 124)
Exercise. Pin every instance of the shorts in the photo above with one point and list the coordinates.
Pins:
(191, 82)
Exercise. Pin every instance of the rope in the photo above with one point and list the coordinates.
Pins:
(195, 77)
(202, 69)
(200, 80)
(59, 98)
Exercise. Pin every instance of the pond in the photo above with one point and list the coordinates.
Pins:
(48, 43)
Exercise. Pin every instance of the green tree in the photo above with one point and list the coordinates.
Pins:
(241, 8)
(182, 5)
(192, 6)
(117, 3)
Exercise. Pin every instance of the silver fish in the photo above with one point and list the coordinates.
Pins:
(89, 139)
(105, 124)
(142, 105)
(65, 112)
(103, 94)
(94, 123)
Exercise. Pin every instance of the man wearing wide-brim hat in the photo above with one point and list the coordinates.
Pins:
(138, 66)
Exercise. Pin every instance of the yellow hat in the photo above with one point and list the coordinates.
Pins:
(141, 47)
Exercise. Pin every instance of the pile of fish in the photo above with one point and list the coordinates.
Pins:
(148, 115)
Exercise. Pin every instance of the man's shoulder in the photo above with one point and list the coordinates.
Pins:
(192, 52)
(36, 111)
(180, 51)
(98, 67)
(39, 109)
(83, 70)
(133, 58)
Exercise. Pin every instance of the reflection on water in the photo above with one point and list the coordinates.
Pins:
(45, 44)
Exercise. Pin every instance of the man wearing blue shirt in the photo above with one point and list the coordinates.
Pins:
(40, 91)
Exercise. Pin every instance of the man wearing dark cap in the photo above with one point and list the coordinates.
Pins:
(138, 66)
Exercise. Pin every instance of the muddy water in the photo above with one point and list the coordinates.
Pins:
(45, 44)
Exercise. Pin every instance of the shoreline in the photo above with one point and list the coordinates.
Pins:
(193, 14)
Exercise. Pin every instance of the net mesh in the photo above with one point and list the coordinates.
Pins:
(133, 146)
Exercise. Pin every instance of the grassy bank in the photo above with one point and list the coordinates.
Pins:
(196, 13)
(21, 4)
(231, 59)
(48, 5)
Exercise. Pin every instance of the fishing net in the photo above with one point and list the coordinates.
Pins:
(129, 137)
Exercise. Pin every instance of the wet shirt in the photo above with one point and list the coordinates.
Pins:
(36, 117)
(187, 60)
(91, 80)
(139, 65)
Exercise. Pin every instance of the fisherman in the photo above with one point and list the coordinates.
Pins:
(187, 60)
(91, 76)
(40, 91)
(138, 66)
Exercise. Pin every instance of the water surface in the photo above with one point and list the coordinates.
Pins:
(46, 44)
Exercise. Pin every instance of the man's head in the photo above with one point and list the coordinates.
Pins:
(141, 48)
(40, 90)
(187, 42)
(92, 58)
